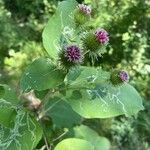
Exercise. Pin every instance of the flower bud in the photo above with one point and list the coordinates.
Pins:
(82, 14)
(118, 77)
(102, 36)
(90, 43)
(96, 41)
(85, 9)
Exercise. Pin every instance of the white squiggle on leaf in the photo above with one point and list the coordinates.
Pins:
(71, 16)
(6, 104)
(56, 45)
(114, 97)
(91, 78)
(31, 130)
(61, 18)
(5, 142)
(81, 107)
(105, 104)
(68, 32)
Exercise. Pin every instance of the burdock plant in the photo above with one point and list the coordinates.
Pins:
(62, 99)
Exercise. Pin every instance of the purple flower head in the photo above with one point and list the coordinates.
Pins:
(123, 75)
(73, 53)
(85, 9)
(102, 36)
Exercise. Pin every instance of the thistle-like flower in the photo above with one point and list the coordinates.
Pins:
(102, 36)
(123, 75)
(85, 9)
(71, 55)
(117, 77)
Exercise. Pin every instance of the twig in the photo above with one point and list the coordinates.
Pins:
(44, 134)
(66, 131)
(46, 143)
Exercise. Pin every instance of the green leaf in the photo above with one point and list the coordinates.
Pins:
(7, 93)
(86, 76)
(62, 19)
(41, 94)
(17, 129)
(74, 144)
(24, 134)
(91, 95)
(85, 133)
(8, 102)
(41, 75)
(61, 113)
(7, 112)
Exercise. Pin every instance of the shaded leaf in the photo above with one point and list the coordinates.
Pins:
(7, 112)
(41, 75)
(7, 93)
(61, 113)
(8, 103)
(24, 134)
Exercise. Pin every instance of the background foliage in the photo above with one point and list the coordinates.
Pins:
(128, 23)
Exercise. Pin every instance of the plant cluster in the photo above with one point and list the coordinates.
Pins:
(63, 89)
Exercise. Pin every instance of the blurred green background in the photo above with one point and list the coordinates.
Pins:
(127, 21)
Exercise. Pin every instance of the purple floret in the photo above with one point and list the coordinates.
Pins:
(102, 36)
(73, 53)
(123, 75)
(85, 9)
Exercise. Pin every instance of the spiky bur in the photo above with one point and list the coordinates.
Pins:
(90, 43)
(117, 77)
(95, 42)
(70, 56)
(82, 14)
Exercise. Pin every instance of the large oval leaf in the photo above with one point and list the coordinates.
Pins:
(7, 112)
(7, 93)
(86, 76)
(74, 144)
(92, 95)
(17, 129)
(8, 102)
(61, 113)
(41, 75)
(24, 134)
(85, 133)
(62, 18)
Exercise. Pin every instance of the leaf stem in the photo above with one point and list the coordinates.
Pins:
(44, 134)
(65, 131)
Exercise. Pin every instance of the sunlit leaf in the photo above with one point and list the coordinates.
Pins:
(74, 144)
(85, 133)
(91, 94)
(62, 19)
